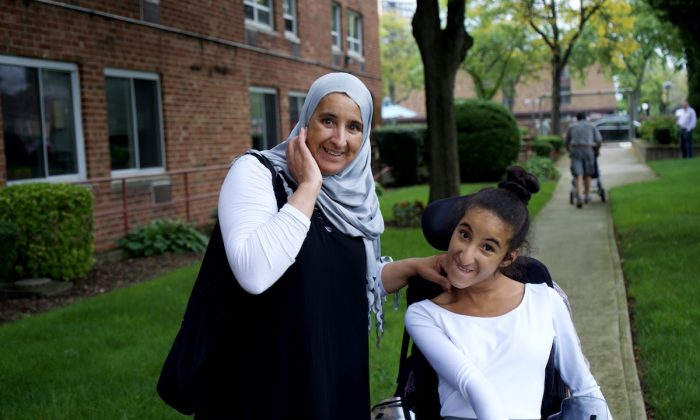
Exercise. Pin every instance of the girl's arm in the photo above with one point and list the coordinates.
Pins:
(452, 365)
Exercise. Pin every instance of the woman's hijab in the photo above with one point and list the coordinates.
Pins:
(347, 198)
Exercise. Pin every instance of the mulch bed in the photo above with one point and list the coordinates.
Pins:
(102, 278)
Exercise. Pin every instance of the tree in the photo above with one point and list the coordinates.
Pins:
(629, 50)
(502, 52)
(683, 14)
(402, 69)
(560, 25)
(442, 51)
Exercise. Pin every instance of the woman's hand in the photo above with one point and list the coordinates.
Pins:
(301, 163)
(306, 172)
(395, 274)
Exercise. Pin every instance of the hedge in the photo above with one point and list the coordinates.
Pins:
(488, 139)
(55, 229)
(402, 147)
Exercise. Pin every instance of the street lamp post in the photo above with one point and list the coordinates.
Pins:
(667, 88)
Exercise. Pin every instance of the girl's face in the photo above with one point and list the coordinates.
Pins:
(334, 133)
(478, 248)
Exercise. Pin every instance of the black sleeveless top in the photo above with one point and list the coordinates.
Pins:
(300, 349)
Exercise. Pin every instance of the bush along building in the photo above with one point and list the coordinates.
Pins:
(146, 103)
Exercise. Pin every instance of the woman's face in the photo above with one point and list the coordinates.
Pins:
(334, 133)
(477, 248)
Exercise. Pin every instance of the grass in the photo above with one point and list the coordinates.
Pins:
(658, 229)
(100, 357)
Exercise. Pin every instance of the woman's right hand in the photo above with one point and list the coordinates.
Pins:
(302, 163)
(306, 172)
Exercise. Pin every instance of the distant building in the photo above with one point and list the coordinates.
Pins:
(532, 104)
(405, 8)
(113, 89)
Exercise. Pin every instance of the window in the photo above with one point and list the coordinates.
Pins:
(565, 86)
(41, 120)
(258, 12)
(134, 121)
(263, 118)
(290, 17)
(354, 34)
(296, 101)
(335, 26)
(150, 10)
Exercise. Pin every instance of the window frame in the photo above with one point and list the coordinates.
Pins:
(264, 90)
(296, 95)
(336, 16)
(72, 69)
(131, 75)
(255, 22)
(292, 35)
(355, 41)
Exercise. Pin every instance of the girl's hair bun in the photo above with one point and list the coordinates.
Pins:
(520, 182)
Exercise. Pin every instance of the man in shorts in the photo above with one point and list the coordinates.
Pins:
(583, 143)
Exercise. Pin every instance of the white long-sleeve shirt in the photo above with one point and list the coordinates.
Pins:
(261, 241)
(493, 367)
(686, 118)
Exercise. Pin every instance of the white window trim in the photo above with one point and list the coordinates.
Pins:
(77, 115)
(263, 90)
(133, 74)
(292, 35)
(255, 23)
(337, 48)
(359, 41)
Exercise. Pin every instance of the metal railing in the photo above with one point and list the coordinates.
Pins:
(122, 203)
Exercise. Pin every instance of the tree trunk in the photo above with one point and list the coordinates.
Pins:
(442, 52)
(557, 68)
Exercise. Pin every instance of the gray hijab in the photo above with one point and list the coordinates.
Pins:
(348, 198)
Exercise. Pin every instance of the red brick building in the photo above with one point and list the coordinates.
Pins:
(127, 96)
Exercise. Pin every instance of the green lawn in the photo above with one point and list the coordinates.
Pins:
(658, 228)
(100, 358)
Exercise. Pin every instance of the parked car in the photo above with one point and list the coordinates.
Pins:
(616, 127)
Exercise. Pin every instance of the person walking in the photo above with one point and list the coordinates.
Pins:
(583, 142)
(686, 120)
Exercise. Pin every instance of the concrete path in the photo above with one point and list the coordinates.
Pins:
(578, 246)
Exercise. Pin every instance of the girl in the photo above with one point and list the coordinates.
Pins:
(489, 337)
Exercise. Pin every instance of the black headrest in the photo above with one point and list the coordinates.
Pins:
(439, 220)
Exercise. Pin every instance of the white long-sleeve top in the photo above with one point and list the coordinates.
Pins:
(261, 241)
(686, 118)
(493, 367)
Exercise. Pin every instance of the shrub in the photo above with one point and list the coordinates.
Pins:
(556, 141)
(55, 234)
(8, 248)
(542, 148)
(163, 236)
(402, 147)
(408, 214)
(542, 167)
(488, 139)
(660, 129)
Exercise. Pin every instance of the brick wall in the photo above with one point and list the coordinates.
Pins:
(204, 72)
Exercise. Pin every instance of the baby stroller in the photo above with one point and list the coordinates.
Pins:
(598, 186)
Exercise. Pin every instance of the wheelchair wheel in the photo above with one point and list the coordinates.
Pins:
(602, 195)
(572, 195)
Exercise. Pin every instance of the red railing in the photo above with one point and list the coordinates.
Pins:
(122, 203)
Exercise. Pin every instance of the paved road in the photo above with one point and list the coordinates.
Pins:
(578, 246)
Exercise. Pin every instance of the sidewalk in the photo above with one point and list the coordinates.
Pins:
(578, 246)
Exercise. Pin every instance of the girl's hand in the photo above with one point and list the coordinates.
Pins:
(301, 163)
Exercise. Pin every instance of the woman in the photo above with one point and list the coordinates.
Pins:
(302, 241)
(489, 338)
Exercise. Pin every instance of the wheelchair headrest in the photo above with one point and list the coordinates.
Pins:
(439, 220)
